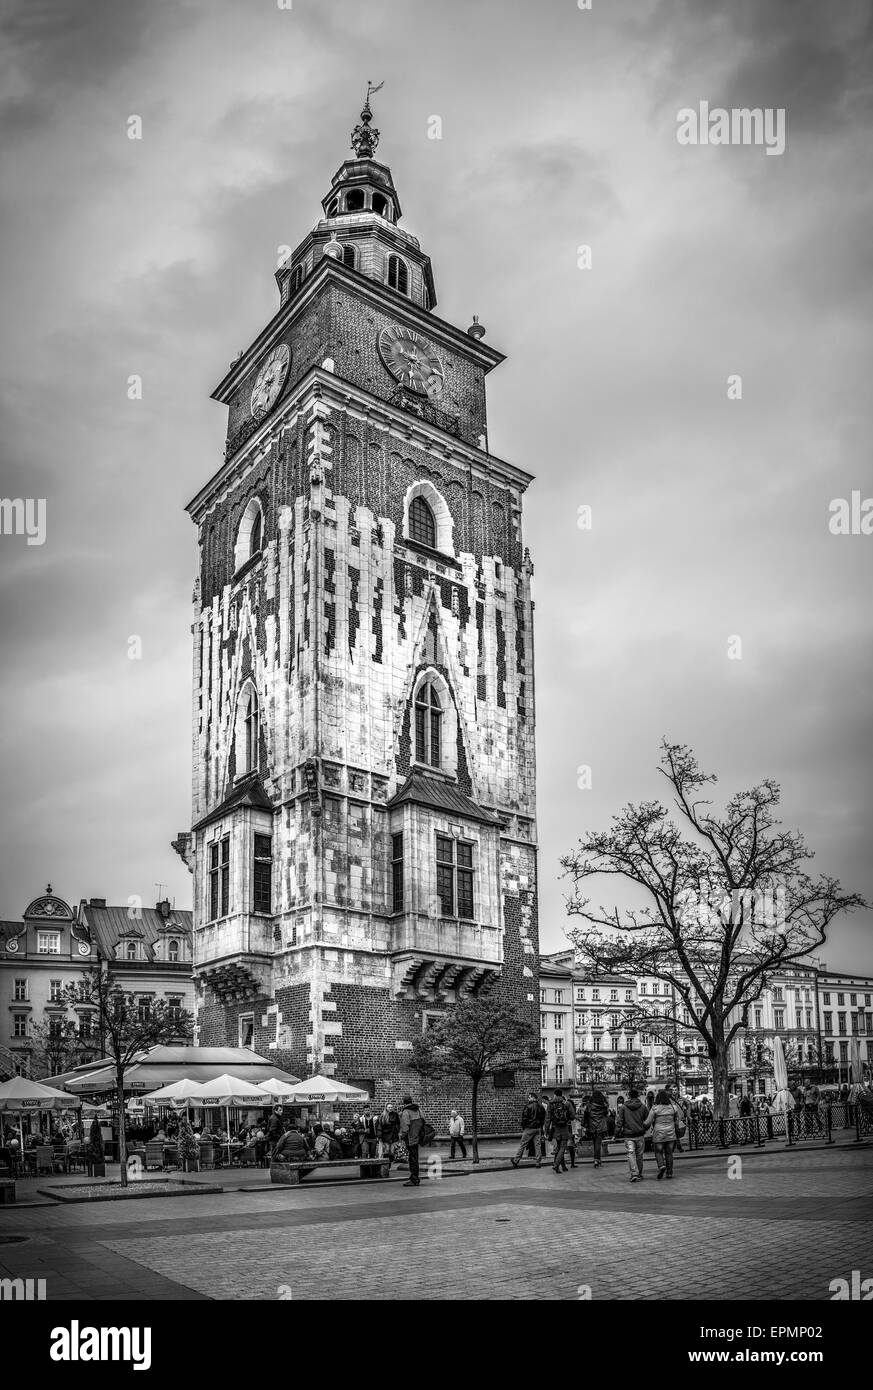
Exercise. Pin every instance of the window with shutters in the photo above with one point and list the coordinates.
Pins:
(398, 275)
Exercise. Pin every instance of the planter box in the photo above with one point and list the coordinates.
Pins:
(7, 1191)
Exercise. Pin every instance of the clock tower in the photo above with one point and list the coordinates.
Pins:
(364, 835)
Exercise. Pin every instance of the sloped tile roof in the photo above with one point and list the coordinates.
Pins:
(435, 792)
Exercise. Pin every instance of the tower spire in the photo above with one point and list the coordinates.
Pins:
(365, 140)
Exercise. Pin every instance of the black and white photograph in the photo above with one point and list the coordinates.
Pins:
(435, 549)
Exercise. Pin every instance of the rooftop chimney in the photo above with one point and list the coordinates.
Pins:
(96, 902)
(163, 907)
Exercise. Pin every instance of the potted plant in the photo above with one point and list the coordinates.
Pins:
(96, 1153)
(189, 1152)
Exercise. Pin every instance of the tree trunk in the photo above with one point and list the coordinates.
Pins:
(474, 1119)
(122, 1138)
(718, 1056)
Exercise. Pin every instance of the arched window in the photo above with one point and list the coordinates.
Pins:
(250, 730)
(250, 536)
(173, 951)
(428, 725)
(380, 204)
(355, 200)
(296, 280)
(398, 275)
(131, 950)
(333, 207)
(255, 538)
(422, 525)
(349, 255)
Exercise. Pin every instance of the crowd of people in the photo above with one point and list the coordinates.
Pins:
(394, 1133)
(660, 1120)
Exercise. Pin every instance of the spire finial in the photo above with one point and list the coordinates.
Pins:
(365, 140)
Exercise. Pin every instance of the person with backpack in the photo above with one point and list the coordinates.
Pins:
(411, 1130)
(598, 1117)
(560, 1117)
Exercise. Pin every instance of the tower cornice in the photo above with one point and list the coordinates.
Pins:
(378, 297)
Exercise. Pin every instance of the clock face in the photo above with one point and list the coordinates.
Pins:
(271, 376)
(412, 360)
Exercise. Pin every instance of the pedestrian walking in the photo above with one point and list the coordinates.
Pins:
(532, 1118)
(560, 1116)
(631, 1127)
(598, 1120)
(662, 1122)
(411, 1127)
(456, 1134)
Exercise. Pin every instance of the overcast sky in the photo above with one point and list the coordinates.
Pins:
(710, 515)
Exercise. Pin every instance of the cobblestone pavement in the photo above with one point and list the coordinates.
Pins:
(782, 1227)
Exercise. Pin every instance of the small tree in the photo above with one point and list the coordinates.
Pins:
(629, 1071)
(127, 1029)
(476, 1037)
(188, 1147)
(726, 904)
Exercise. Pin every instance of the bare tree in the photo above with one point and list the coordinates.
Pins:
(474, 1038)
(127, 1028)
(725, 904)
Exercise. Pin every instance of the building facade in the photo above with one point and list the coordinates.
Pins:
(364, 824)
(54, 945)
(587, 1024)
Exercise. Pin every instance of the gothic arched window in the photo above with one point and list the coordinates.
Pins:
(422, 525)
(398, 275)
(250, 730)
(250, 536)
(349, 257)
(296, 280)
(355, 200)
(428, 725)
(380, 205)
(255, 538)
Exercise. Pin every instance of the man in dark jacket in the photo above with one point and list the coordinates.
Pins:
(532, 1117)
(631, 1121)
(292, 1148)
(561, 1113)
(411, 1126)
(369, 1133)
(275, 1128)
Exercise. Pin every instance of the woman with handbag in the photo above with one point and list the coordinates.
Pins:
(664, 1122)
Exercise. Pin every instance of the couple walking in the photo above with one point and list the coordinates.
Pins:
(664, 1123)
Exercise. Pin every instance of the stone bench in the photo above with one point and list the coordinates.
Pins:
(368, 1168)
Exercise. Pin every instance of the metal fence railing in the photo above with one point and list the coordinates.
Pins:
(795, 1126)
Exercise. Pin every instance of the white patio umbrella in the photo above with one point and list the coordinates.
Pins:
(606, 1041)
(784, 1099)
(279, 1090)
(19, 1094)
(230, 1091)
(179, 1094)
(857, 1072)
(325, 1090)
(588, 1043)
